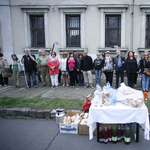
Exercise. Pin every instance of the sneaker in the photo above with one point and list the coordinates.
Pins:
(73, 86)
(5, 84)
(35, 86)
(63, 85)
(67, 85)
(1, 85)
(43, 85)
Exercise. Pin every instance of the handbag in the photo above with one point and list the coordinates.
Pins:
(6, 74)
(146, 70)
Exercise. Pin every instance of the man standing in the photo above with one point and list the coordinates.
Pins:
(118, 65)
(87, 69)
(30, 67)
(76, 75)
(37, 59)
(44, 68)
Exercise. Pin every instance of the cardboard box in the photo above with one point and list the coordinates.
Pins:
(69, 128)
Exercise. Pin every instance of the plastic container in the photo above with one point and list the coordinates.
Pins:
(59, 115)
(114, 98)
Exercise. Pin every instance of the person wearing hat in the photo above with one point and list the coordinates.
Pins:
(118, 67)
(63, 68)
(108, 67)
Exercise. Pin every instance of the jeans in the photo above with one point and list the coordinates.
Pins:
(28, 74)
(81, 78)
(120, 71)
(98, 76)
(38, 73)
(145, 81)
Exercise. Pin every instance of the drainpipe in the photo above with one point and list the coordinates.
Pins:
(132, 25)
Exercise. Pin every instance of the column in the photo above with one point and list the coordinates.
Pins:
(143, 26)
(123, 29)
(62, 29)
(102, 28)
(46, 30)
(82, 30)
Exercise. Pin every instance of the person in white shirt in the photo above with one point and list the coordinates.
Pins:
(63, 67)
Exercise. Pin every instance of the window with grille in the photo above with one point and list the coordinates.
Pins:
(112, 30)
(37, 31)
(73, 31)
(147, 38)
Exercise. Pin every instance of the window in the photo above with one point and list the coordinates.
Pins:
(112, 30)
(73, 31)
(37, 31)
(147, 39)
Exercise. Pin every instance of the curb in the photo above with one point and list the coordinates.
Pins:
(28, 112)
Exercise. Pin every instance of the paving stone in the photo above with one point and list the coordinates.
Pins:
(25, 112)
(53, 113)
(17, 112)
(39, 114)
(32, 112)
(46, 113)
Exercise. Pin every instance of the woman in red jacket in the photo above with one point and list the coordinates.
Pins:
(53, 64)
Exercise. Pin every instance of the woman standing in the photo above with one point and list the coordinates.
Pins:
(131, 68)
(145, 63)
(80, 74)
(3, 67)
(17, 68)
(98, 65)
(72, 68)
(63, 68)
(108, 67)
(59, 76)
(53, 64)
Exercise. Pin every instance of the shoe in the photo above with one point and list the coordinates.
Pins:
(73, 86)
(16, 86)
(67, 85)
(146, 90)
(63, 85)
(5, 85)
(28, 87)
(91, 86)
(86, 86)
(1, 85)
(43, 85)
(56, 86)
(35, 86)
(53, 86)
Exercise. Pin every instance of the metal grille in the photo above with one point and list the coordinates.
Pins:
(147, 38)
(37, 31)
(112, 30)
(73, 31)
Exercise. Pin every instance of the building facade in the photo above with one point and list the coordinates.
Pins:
(93, 25)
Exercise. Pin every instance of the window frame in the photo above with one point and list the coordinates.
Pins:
(147, 27)
(108, 29)
(73, 28)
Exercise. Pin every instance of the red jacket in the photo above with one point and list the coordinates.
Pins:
(53, 64)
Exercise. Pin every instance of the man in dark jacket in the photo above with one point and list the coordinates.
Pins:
(118, 65)
(30, 67)
(87, 69)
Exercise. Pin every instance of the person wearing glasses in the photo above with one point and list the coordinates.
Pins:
(145, 63)
(98, 65)
(131, 68)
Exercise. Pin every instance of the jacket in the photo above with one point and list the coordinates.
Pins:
(143, 65)
(109, 64)
(116, 62)
(131, 66)
(3, 64)
(98, 64)
(29, 64)
(20, 65)
(86, 63)
(53, 64)
(76, 65)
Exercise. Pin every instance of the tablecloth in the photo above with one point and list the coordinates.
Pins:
(120, 114)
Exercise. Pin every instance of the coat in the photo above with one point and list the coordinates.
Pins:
(76, 65)
(3, 64)
(53, 64)
(116, 62)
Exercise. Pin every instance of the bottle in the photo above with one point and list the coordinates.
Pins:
(101, 139)
(109, 134)
(114, 135)
(107, 87)
(114, 98)
(122, 131)
(127, 137)
(98, 88)
(105, 133)
(118, 133)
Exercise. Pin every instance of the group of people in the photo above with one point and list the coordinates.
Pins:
(79, 67)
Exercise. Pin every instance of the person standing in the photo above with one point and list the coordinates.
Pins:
(59, 76)
(44, 68)
(87, 69)
(138, 63)
(30, 68)
(145, 63)
(3, 67)
(131, 68)
(108, 67)
(53, 64)
(72, 68)
(63, 67)
(118, 67)
(37, 59)
(76, 75)
(16, 66)
(80, 74)
(98, 65)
